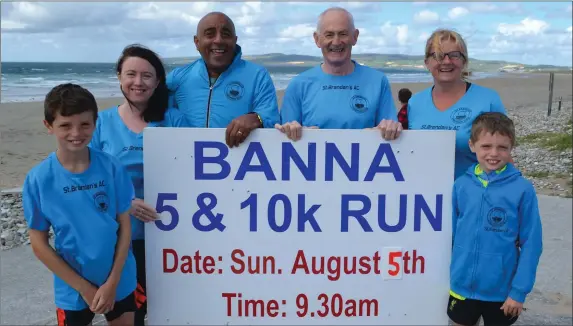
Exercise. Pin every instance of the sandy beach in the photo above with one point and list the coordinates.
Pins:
(24, 140)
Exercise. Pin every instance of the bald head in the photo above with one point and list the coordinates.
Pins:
(216, 42)
(335, 13)
(214, 16)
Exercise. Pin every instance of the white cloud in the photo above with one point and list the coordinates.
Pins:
(297, 31)
(458, 12)
(532, 40)
(426, 17)
(402, 36)
(92, 31)
(424, 36)
(153, 11)
(482, 7)
(12, 25)
(527, 26)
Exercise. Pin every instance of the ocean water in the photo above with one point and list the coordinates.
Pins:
(31, 81)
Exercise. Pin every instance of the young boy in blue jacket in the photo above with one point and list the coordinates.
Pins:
(497, 236)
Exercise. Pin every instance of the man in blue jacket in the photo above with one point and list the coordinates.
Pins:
(221, 90)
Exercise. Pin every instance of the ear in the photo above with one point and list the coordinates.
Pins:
(471, 146)
(49, 127)
(355, 37)
(426, 63)
(315, 36)
(196, 41)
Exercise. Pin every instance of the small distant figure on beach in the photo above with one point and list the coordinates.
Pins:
(404, 95)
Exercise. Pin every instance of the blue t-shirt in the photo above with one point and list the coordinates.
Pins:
(356, 101)
(82, 209)
(423, 115)
(112, 136)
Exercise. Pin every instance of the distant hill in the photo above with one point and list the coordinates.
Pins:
(396, 61)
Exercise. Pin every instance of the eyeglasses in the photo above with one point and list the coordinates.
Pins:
(453, 55)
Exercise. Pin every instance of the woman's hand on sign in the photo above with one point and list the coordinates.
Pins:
(390, 129)
(293, 129)
(142, 211)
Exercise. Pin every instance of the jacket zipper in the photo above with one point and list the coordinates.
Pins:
(476, 258)
(209, 105)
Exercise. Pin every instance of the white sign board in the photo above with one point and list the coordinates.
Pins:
(338, 228)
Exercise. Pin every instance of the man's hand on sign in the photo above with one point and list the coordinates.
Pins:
(104, 299)
(142, 211)
(293, 129)
(390, 129)
(511, 307)
(240, 128)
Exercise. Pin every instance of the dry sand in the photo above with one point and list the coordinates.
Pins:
(24, 141)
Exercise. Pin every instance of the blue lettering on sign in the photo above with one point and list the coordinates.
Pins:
(420, 205)
(304, 216)
(201, 160)
(288, 155)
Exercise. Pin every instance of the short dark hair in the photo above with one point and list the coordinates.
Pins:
(404, 95)
(68, 99)
(159, 101)
(493, 122)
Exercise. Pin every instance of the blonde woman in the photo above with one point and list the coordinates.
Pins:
(451, 103)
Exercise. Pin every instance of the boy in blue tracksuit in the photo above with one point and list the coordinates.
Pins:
(84, 195)
(497, 235)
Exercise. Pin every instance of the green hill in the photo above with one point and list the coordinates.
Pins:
(396, 61)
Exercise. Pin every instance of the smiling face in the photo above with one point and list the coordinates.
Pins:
(493, 151)
(216, 42)
(335, 37)
(446, 57)
(73, 133)
(138, 80)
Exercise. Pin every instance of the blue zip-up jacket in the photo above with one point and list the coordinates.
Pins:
(244, 87)
(490, 213)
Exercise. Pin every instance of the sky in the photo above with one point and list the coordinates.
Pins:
(524, 32)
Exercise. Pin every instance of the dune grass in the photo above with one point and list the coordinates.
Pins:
(555, 141)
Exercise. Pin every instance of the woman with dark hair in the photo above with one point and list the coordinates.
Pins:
(119, 131)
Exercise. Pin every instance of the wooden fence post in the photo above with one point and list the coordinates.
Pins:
(551, 77)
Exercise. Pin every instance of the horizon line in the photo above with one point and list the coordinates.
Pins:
(291, 54)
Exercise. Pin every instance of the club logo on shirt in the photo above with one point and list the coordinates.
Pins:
(461, 115)
(234, 90)
(359, 104)
(101, 201)
(497, 218)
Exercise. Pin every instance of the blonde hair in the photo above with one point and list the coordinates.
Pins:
(434, 42)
